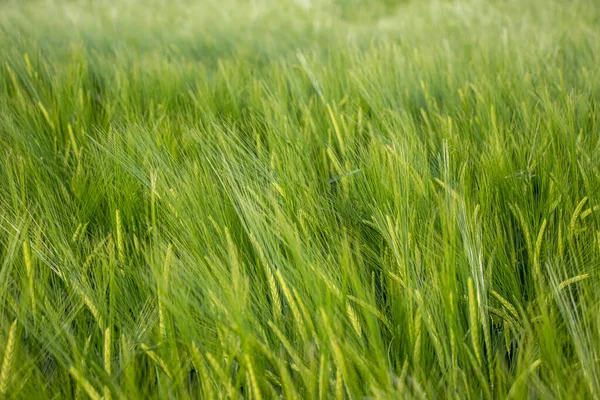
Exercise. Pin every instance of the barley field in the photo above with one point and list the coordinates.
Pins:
(310, 199)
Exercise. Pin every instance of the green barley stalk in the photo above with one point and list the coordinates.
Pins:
(120, 242)
(417, 337)
(107, 359)
(575, 216)
(235, 263)
(198, 362)
(338, 354)
(293, 306)
(524, 227)
(30, 275)
(253, 380)
(76, 234)
(162, 291)
(572, 280)
(323, 377)
(304, 313)
(336, 128)
(286, 381)
(87, 386)
(453, 344)
(506, 304)
(46, 115)
(222, 375)
(474, 322)
(354, 319)
(158, 360)
(273, 291)
(167, 265)
(339, 385)
(87, 300)
(7, 362)
(127, 363)
(538, 250)
(479, 374)
(288, 346)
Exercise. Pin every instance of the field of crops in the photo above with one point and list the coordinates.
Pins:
(310, 199)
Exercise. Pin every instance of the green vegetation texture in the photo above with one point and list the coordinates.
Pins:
(311, 199)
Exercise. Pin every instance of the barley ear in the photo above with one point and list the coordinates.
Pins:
(87, 386)
(538, 249)
(293, 306)
(120, 245)
(30, 277)
(339, 385)
(354, 319)
(107, 359)
(9, 353)
(198, 362)
(474, 322)
(575, 216)
(158, 360)
(336, 128)
(323, 377)
(253, 380)
(417, 336)
(572, 280)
